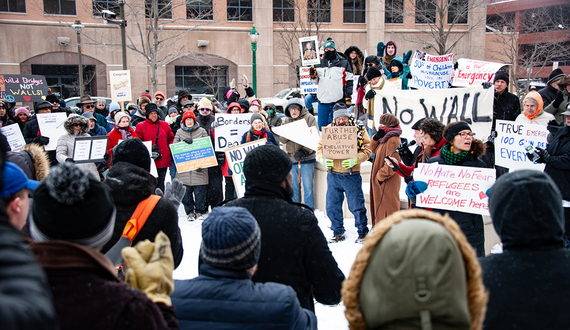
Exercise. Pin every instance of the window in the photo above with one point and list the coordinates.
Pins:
(59, 7)
(200, 9)
(283, 11)
(394, 12)
(100, 5)
(240, 10)
(502, 22)
(164, 9)
(354, 11)
(458, 12)
(319, 11)
(65, 78)
(13, 6)
(201, 79)
(426, 11)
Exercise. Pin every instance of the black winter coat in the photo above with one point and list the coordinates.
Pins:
(31, 130)
(294, 250)
(548, 94)
(506, 106)
(130, 184)
(227, 299)
(558, 165)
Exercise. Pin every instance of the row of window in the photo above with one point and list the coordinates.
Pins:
(283, 10)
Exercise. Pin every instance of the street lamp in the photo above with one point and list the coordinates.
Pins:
(77, 26)
(110, 17)
(253, 36)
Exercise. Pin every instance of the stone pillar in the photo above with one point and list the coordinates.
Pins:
(374, 24)
(263, 20)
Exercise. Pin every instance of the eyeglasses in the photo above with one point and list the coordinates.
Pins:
(368, 65)
(89, 106)
(159, 98)
(464, 134)
(204, 109)
(268, 108)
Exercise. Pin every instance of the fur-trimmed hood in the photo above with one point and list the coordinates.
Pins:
(41, 160)
(478, 148)
(430, 274)
(76, 119)
(357, 50)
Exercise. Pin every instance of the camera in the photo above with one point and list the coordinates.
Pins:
(107, 14)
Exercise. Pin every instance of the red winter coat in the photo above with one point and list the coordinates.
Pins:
(147, 132)
(114, 137)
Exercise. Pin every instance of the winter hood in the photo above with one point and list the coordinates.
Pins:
(295, 101)
(76, 119)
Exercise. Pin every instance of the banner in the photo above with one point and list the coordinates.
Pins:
(89, 149)
(230, 129)
(23, 88)
(339, 142)
(510, 144)
(472, 104)
(51, 125)
(309, 47)
(431, 71)
(473, 72)
(455, 188)
(235, 157)
(199, 154)
(14, 136)
(307, 85)
(120, 82)
(300, 133)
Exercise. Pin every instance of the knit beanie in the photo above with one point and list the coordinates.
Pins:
(72, 205)
(51, 98)
(372, 72)
(172, 110)
(555, 75)
(340, 110)
(114, 106)
(455, 129)
(120, 115)
(188, 114)
(151, 107)
(25, 110)
(329, 44)
(502, 75)
(255, 116)
(188, 102)
(205, 104)
(372, 59)
(132, 151)
(267, 163)
(389, 120)
(231, 239)
(161, 94)
(244, 104)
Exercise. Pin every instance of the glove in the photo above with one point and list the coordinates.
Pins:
(380, 134)
(348, 101)
(349, 163)
(69, 160)
(233, 84)
(328, 163)
(362, 81)
(553, 122)
(173, 192)
(41, 140)
(558, 100)
(313, 72)
(221, 158)
(150, 268)
(214, 124)
(380, 49)
(302, 153)
(407, 56)
(188, 140)
(370, 94)
(244, 81)
(544, 155)
(415, 187)
(487, 84)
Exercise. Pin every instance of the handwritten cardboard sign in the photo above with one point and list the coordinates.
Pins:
(51, 125)
(90, 149)
(120, 85)
(235, 157)
(14, 136)
(307, 84)
(23, 88)
(199, 154)
(230, 129)
(339, 142)
(474, 72)
(511, 140)
(455, 188)
(431, 71)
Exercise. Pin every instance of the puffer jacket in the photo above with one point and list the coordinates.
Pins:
(65, 144)
(147, 132)
(291, 147)
(415, 271)
(335, 79)
(198, 177)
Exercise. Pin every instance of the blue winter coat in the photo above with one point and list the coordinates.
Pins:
(97, 131)
(226, 299)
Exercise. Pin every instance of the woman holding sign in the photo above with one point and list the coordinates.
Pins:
(258, 131)
(75, 125)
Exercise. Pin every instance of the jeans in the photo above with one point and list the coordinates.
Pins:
(309, 100)
(307, 174)
(196, 203)
(230, 188)
(172, 172)
(325, 115)
(161, 177)
(337, 184)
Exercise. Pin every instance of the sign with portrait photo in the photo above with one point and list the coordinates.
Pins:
(309, 47)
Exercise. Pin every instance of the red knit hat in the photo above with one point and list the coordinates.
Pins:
(188, 114)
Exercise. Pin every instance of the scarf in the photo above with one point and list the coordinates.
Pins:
(533, 116)
(450, 158)
(259, 134)
(125, 132)
(388, 132)
(370, 109)
(189, 129)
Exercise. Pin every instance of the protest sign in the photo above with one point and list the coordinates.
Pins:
(355, 88)
(309, 47)
(199, 154)
(23, 88)
(510, 144)
(455, 188)
(120, 82)
(307, 85)
(90, 149)
(472, 104)
(339, 142)
(153, 170)
(300, 133)
(51, 125)
(14, 136)
(473, 72)
(430, 71)
(235, 157)
(230, 128)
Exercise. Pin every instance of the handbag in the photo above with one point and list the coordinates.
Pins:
(155, 152)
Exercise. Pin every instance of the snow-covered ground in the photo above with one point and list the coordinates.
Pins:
(329, 317)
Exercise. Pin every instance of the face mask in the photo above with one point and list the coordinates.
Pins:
(395, 74)
(269, 111)
(330, 55)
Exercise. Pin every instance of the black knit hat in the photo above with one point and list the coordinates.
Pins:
(231, 239)
(267, 163)
(132, 151)
(555, 75)
(502, 75)
(372, 72)
(72, 205)
(149, 108)
(52, 98)
(43, 105)
(372, 59)
(244, 104)
(455, 129)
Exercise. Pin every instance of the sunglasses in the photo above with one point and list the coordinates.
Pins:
(89, 106)
(76, 125)
(204, 109)
(189, 106)
(369, 65)
(267, 108)
(321, 55)
(159, 98)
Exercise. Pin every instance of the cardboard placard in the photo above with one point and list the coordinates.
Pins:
(309, 47)
(51, 125)
(339, 142)
(14, 136)
(120, 82)
(188, 157)
(235, 157)
(474, 72)
(230, 129)
(90, 149)
(431, 71)
(23, 88)
(510, 144)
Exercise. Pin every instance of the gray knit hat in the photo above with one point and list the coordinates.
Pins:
(231, 239)
(340, 110)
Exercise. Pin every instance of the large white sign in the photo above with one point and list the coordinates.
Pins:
(120, 85)
(473, 72)
(300, 133)
(14, 136)
(455, 188)
(51, 125)
(512, 137)
(235, 157)
(230, 128)
(430, 71)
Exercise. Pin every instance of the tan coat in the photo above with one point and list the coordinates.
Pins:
(385, 197)
(363, 154)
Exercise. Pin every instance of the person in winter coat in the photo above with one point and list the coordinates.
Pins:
(533, 110)
(384, 182)
(4, 118)
(72, 218)
(461, 149)
(159, 132)
(334, 77)
(359, 110)
(122, 131)
(75, 126)
(416, 270)
(160, 100)
(287, 226)
(355, 58)
(94, 128)
(139, 115)
(130, 182)
(375, 82)
(101, 108)
(560, 103)
(87, 104)
(31, 131)
(550, 92)
(183, 96)
(187, 106)
(533, 258)
(506, 106)
(223, 295)
(272, 118)
(114, 107)
(399, 71)
(22, 116)
(15, 194)
(258, 131)
(300, 154)
(196, 181)
(386, 53)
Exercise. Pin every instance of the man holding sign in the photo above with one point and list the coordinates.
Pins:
(343, 161)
